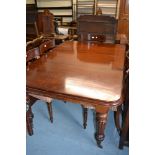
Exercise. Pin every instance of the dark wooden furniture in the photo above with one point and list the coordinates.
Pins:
(99, 28)
(47, 29)
(121, 116)
(31, 26)
(123, 21)
(124, 132)
(29, 115)
(124, 135)
(34, 50)
(46, 45)
(43, 44)
(45, 23)
(89, 74)
(55, 7)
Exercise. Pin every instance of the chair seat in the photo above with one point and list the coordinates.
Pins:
(43, 98)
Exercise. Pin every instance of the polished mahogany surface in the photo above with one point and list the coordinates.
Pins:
(80, 71)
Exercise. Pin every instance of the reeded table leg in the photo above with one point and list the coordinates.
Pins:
(101, 119)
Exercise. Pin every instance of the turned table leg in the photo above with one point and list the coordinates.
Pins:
(29, 115)
(29, 120)
(50, 111)
(85, 113)
(101, 119)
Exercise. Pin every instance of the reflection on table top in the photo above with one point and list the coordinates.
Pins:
(86, 70)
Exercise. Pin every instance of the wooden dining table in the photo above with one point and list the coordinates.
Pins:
(86, 73)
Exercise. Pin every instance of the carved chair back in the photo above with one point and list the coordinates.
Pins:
(45, 22)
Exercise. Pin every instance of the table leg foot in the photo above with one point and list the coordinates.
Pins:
(99, 141)
(101, 119)
(99, 145)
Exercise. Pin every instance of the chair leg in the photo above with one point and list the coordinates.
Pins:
(50, 111)
(29, 122)
(85, 114)
(124, 131)
(117, 115)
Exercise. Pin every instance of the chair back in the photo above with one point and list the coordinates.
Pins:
(45, 22)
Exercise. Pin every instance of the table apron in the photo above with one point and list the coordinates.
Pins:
(97, 104)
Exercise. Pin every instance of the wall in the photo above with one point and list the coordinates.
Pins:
(30, 2)
(59, 3)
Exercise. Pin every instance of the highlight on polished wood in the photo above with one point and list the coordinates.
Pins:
(76, 67)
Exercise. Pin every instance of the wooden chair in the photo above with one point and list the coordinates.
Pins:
(48, 27)
(45, 23)
(121, 116)
(35, 49)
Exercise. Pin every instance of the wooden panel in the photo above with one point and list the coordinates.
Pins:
(123, 27)
(32, 54)
(124, 9)
(31, 13)
(44, 47)
(31, 29)
(123, 22)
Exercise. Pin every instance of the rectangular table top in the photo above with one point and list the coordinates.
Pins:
(82, 71)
